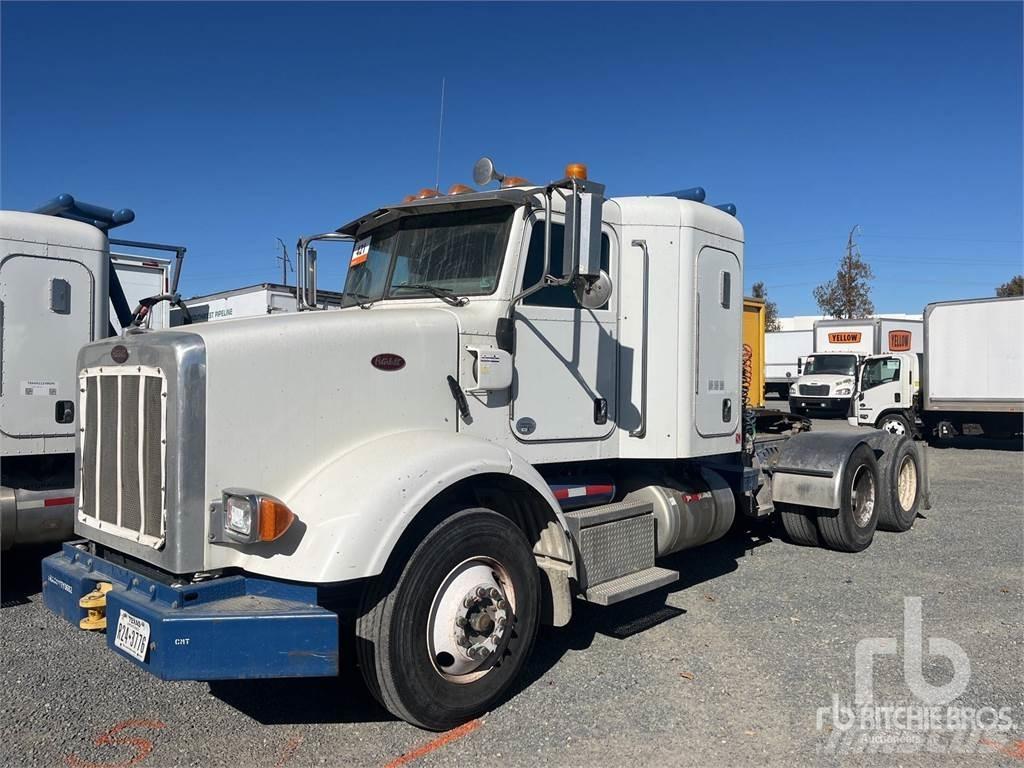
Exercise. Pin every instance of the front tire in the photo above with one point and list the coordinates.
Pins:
(443, 634)
(852, 528)
(895, 424)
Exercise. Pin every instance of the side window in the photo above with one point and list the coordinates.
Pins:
(554, 295)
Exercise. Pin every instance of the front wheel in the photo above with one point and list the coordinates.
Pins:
(895, 423)
(442, 635)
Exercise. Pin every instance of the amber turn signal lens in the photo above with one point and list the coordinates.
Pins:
(514, 181)
(408, 198)
(275, 519)
(576, 171)
(459, 189)
(425, 193)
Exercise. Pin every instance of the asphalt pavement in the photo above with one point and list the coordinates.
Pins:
(748, 660)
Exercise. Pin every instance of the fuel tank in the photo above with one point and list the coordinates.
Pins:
(689, 512)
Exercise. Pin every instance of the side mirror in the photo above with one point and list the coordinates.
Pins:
(593, 292)
(582, 253)
(799, 366)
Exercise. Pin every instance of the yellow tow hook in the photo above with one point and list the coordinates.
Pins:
(96, 604)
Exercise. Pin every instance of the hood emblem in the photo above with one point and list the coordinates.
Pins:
(388, 362)
(119, 353)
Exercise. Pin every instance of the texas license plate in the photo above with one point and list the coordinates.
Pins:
(132, 635)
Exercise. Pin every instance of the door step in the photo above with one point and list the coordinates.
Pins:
(630, 585)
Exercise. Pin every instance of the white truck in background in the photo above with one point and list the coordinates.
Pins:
(968, 381)
(248, 301)
(60, 289)
(531, 395)
(784, 353)
(827, 380)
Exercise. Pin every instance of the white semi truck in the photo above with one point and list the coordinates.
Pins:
(58, 291)
(532, 394)
(969, 380)
(827, 380)
(784, 353)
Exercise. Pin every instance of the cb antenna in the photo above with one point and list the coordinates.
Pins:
(440, 128)
(286, 263)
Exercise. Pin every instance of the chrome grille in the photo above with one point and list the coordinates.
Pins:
(820, 390)
(122, 448)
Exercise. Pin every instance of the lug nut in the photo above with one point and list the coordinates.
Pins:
(461, 621)
(481, 592)
(468, 601)
(495, 594)
(502, 605)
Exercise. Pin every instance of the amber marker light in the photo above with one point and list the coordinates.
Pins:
(576, 171)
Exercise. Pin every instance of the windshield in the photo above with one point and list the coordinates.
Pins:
(837, 364)
(458, 252)
(879, 371)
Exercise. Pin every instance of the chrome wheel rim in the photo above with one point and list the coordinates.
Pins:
(906, 483)
(471, 618)
(862, 496)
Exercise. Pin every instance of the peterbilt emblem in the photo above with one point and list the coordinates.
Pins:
(526, 426)
(388, 362)
(119, 353)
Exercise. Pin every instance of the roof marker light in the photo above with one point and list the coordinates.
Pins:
(693, 193)
(460, 189)
(426, 192)
(729, 208)
(576, 171)
(514, 181)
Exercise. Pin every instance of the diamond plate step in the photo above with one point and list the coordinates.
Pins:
(630, 585)
(606, 513)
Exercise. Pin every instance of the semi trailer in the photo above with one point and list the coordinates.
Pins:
(60, 288)
(826, 381)
(969, 380)
(532, 396)
(247, 301)
(784, 358)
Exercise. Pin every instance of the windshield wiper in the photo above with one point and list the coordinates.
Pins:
(445, 294)
(362, 300)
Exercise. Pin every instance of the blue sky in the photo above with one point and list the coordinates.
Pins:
(226, 126)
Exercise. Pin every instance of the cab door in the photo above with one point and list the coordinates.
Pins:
(719, 327)
(566, 357)
(46, 315)
(882, 388)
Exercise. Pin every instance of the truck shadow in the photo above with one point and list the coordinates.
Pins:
(20, 570)
(1012, 445)
(346, 699)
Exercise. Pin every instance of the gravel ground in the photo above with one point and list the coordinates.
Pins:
(755, 638)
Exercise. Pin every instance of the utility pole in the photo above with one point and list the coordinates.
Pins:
(848, 269)
(286, 263)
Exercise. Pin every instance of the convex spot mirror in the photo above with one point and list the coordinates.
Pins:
(593, 292)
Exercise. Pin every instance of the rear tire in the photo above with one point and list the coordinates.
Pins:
(798, 525)
(443, 634)
(901, 468)
(895, 424)
(853, 526)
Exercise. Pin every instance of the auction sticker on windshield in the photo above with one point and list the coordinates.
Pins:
(132, 635)
(360, 253)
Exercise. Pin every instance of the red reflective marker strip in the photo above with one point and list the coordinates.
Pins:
(59, 501)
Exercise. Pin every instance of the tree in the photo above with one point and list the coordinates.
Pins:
(771, 312)
(1015, 287)
(848, 295)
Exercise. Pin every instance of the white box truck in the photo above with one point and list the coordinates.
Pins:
(532, 394)
(826, 382)
(58, 292)
(784, 353)
(968, 381)
(248, 301)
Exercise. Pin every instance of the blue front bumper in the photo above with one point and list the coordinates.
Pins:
(226, 628)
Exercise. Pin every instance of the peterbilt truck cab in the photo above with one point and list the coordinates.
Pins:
(531, 396)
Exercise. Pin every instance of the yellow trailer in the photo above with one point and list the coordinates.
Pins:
(753, 350)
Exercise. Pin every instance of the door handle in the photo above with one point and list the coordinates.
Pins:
(600, 410)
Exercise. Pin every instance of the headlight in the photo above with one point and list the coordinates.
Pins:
(792, 389)
(250, 516)
(843, 391)
(238, 515)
